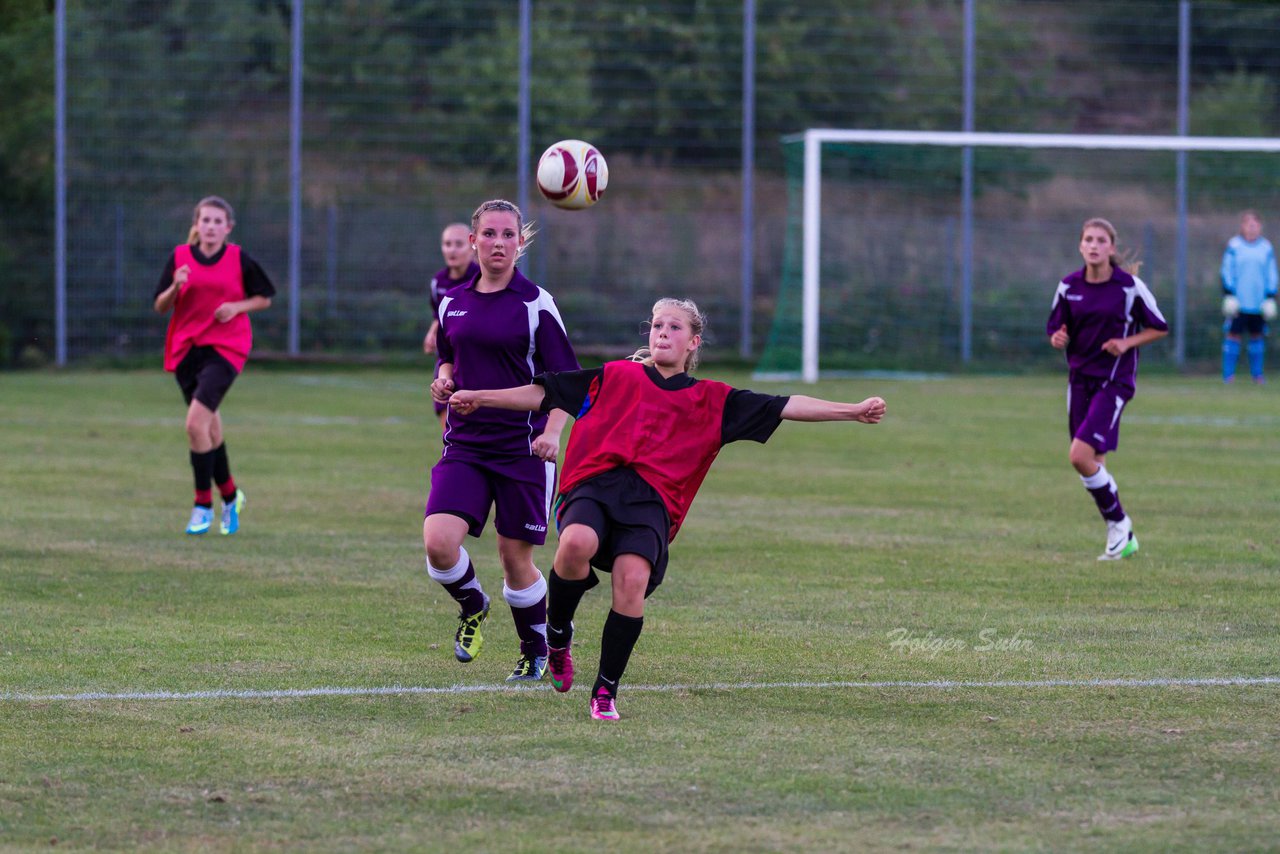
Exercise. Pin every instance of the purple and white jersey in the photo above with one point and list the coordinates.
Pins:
(442, 283)
(1096, 313)
(499, 340)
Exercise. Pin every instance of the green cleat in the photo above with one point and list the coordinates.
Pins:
(468, 640)
(1121, 543)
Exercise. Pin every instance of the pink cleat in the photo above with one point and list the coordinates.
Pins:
(602, 708)
(560, 663)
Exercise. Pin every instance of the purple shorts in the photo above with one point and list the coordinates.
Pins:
(519, 487)
(1093, 412)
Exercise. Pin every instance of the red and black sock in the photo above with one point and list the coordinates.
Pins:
(222, 474)
(202, 469)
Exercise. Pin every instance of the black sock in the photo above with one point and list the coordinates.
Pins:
(222, 472)
(562, 603)
(202, 468)
(616, 642)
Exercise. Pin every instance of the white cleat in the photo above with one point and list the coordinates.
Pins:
(1121, 542)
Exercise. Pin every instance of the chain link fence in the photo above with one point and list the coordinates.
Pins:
(409, 121)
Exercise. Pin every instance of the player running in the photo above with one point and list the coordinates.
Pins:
(459, 268)
(1101, 315)
(497, 329)
(646, 433)
(210, 285)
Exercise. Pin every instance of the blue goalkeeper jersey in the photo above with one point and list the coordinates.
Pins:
(1249, 272)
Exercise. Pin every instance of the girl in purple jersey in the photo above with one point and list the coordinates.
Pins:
(496, 329)
(1101, 315)
(645, 435)
(459, 268)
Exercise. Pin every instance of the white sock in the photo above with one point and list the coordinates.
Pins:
(447, 576)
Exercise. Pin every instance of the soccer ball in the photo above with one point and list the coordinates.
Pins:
(572, 174)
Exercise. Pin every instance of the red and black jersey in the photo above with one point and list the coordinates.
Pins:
(667, 430)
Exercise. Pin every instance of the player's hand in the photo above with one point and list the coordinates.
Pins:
(870, 411)
(1116, 346)
(225, 312)
(180, 276)
(546, 448)
(463, 402)
(1060, 338)
(429, 343)
(441, 390)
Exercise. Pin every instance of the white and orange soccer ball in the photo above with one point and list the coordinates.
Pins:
(572, 174)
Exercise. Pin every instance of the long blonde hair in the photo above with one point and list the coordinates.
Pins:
(193, 235)
(1126, 260)
(527, 231)
(697, 323)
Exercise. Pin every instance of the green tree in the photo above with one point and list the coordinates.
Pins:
(26, 177)
(1240, 103)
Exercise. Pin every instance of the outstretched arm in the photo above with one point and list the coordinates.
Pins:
(525, 398)
(803, 408)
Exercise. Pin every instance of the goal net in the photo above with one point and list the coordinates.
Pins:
(886, 266)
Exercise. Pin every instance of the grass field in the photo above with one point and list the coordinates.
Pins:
(773, 702)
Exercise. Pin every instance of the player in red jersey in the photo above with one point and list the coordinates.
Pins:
(645, 434)
(210, 285)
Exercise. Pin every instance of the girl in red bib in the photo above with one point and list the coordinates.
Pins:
(645, 434)
(210, 285)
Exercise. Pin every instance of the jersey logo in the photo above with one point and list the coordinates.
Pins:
(455, 313)
(1073, 297)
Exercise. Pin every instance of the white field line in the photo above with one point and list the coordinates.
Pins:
(411, 690)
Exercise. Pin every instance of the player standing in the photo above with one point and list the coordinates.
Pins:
(497, 329)
(459, 267)
(210, 285)
(1101, 315)
(645, 436)
(1249, 277)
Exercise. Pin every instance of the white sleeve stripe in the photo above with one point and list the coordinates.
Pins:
(1148, 298)
(546, 303)
(1057, 295)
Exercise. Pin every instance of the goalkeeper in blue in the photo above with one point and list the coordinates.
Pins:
(1249, 279)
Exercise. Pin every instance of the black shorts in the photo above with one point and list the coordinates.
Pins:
(1251, 324)
(205, 375)
(626, 523)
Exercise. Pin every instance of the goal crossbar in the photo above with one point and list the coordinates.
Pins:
(961, 139)
(814, 138)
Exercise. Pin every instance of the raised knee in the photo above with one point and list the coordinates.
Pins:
(442, 552)
(576, 545)
(442, 555)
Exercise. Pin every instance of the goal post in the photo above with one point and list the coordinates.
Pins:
(1246, 193)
